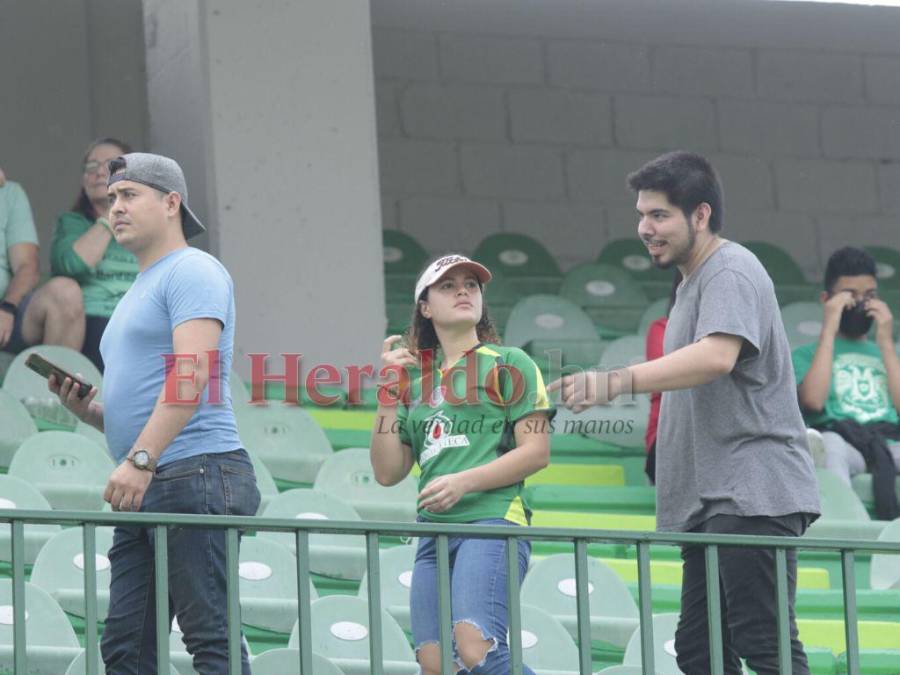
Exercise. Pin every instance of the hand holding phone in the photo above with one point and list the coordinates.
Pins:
(44, 368)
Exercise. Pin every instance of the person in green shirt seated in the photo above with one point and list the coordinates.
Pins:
(477, 422)
(85, 248)
(849, 385)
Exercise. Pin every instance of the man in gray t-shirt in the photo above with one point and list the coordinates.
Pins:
(735, 445)
(731, 444)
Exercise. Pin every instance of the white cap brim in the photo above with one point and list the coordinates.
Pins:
(443, 265)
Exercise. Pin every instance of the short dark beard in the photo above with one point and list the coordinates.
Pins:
(683, 259)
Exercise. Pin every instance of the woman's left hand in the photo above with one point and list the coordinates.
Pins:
(442, 493)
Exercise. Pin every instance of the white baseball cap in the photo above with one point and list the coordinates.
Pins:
(442, 265)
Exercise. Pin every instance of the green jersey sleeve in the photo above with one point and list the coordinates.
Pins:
(522, 386)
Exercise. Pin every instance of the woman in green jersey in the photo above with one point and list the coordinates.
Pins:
(477, 424)
(85, 249)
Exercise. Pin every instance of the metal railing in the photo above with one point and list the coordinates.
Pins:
(580, 538)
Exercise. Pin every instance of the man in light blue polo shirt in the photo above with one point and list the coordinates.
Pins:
(174, 434)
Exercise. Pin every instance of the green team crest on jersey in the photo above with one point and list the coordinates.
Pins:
(860, 387)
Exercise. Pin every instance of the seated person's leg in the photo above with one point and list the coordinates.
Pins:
(894, 447)
(94, 327)
(16, 342)
(55, 315)
(842, 458)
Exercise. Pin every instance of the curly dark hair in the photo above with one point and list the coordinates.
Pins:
(421, 336)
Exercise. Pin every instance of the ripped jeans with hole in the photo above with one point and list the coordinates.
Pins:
(478, 594)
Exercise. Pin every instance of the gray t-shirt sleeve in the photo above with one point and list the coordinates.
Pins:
(729, 304)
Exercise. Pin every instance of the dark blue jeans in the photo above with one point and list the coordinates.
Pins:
(218, 484)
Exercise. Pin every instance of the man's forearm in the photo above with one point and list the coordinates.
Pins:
(164, 425)
(813, 390)
(94, 416)
(22, 283)
(691, 366)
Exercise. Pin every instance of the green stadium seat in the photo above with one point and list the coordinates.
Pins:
(885, 568)
(830, 634)
(887, 262)
(546, 322)
(396, 576)
(624, 670)
(78, 666)
(69, 469)
(608, 295)
(862, 486)
(31, 389)
(668, 573)
(348, 475)
(618, 498)
(778, 263)
(593, 475)
(268, 489)
(843, 514)
(594, 521)
(268, 581)
(403, 255)
(15, 426)
(873, 662)
(655, 310)
(91, 432)
(59, 570)
(240, 394)
(622, 423)
(51, 641)
(627, 350)
(838, 500)
(345, 428)
(550, 584)
(802, 322)
(663, 646)
(331, 555)
(286, 661)
(631, 255)
(340, 632)
(398, 315)
(287, 440)
(522, 261)
(399, 289)
(16, 493)
(790, 282)
(546, 644)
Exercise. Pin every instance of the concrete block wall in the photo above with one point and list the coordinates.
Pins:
(72, 71)
(526, 116)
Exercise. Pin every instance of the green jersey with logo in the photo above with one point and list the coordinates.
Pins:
(859, 386)
(466, 421)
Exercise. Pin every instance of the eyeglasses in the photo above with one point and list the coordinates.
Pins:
(94, 168)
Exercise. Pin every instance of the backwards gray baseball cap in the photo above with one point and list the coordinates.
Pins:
(160, 173)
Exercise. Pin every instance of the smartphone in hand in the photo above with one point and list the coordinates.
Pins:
(44, 368)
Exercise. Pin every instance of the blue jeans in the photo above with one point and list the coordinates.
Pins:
(219, 484)
(477, 593)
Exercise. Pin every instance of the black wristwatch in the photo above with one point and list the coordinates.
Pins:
(9, 307)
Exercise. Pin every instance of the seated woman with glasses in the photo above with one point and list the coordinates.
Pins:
(85, 248)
